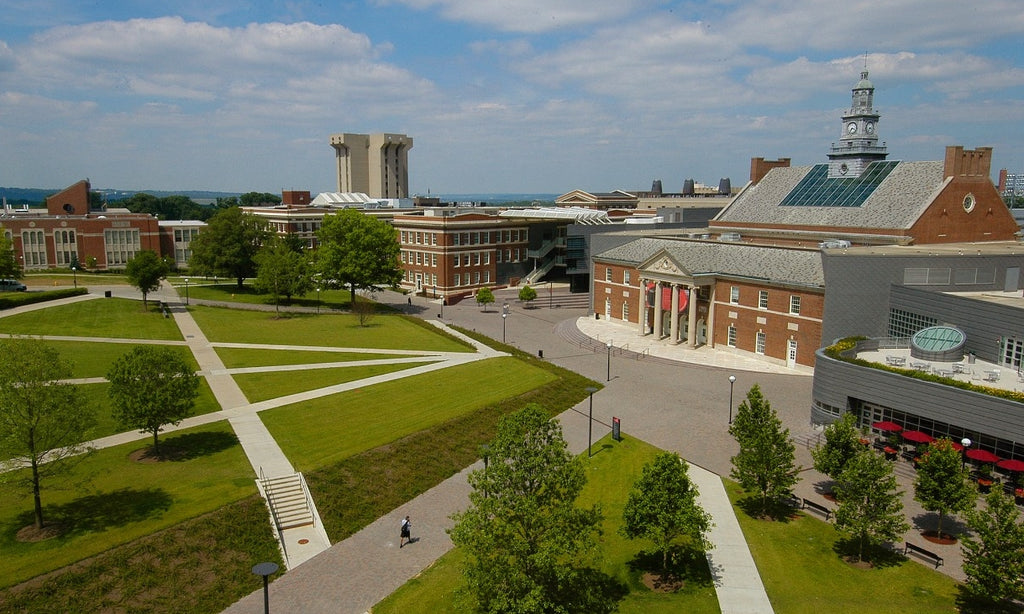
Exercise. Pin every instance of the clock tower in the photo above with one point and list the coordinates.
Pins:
(858, 144)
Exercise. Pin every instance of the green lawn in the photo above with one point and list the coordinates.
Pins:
(94, 358)
(105, 317)
(97, 395)
(803, 573)
(610, 475)
(262, 386)
(236, 358)
(200, 289)
(385, 331)
(329, 429)
(112, 500)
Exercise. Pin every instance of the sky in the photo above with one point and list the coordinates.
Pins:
(499, 96)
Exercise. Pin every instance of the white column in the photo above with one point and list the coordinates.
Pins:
(691, 338)
(675, 313)
(657, 310)
(641, 308)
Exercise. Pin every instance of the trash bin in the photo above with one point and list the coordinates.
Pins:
(106, 294)
(597, 316)
(540, 353)
(970, 358)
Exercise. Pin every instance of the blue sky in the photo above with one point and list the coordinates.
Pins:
(539, 96)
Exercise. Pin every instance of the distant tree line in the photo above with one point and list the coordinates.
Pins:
(179, 207)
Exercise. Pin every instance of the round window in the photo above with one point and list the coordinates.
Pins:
(969, 203)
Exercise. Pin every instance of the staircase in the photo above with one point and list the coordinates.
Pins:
(288, 501)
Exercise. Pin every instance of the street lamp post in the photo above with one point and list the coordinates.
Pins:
(186, 297)
(318, 300)
(732, 380)
(609, 346)
(590, 421)
(74, 274)
(485, 450)
(966, 443)
(504, 317)
(265, 570)
(549, 294)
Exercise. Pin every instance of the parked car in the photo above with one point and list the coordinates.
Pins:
(11, 285)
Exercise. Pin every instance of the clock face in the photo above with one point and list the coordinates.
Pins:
(851, 128)
(870, 127)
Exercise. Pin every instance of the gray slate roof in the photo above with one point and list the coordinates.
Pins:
(776, 264)
(897, 203)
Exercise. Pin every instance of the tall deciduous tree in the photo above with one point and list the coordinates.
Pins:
(941, 485)
(842, 443)
(528, 544)
(228, 245)
(484, 297)
(43, 421)
(282, 271)
(145, 271)
(766, 462)
(359, 252)
(663, 507)
(994, 555)
(870, 503)
(152, 386)
(10, 268)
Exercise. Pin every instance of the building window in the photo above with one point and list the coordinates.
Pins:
(433, 240)
(65, 247)
(487, 277)
(403, 255)
(433, 259)
(607, 273)
(476, 258)
(762, 299)
(476, 277)
(403, 237)
(487, 257)
(458, 279)
(625, 277)
(121, 245)
(33, 247)
(497, 255)
(455, 239)
(625, 310)
(794, 304)
(759, 343)
(734, 295)
(731, 338)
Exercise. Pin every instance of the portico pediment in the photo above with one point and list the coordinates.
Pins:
(663, 266)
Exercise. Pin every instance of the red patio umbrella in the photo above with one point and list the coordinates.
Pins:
(956, 446)
(1011, 464)
(887, 426)
(917, 436)
(982, 456)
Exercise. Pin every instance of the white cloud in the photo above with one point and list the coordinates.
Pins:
(532, 16)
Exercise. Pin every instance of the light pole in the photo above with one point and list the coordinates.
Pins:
(318, 300)
(732, 380)
(265, 570)
(609, 346)
(186, 298)
(549, 294)
(590, 421)
(966, 443)
(74, 274)
(504, 317)
(485, 450)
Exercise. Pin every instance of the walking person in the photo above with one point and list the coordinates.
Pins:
(406, 531)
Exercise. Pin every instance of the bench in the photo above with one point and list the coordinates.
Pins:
(918, 550)
(821, 509)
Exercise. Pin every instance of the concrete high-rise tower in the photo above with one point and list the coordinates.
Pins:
(375, 164)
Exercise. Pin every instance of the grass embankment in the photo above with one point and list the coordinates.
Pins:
(610, 475)
(111, 318)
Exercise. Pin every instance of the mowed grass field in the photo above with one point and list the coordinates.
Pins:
(114, 318)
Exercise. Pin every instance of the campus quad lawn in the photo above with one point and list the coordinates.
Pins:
(230, 293)
(802, 572)
(94, 358)
(386, 331)
(99, 397)
(326, 430)
(610, 475)
(113, 500)
(236, 358)
(102, 317)
(271, 385)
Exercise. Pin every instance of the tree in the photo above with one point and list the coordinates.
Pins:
(10, 268)
(941, 485)
(484, 297)
(528, 544)
(151, 386)
(842, 443)
(527, 294)
(870, 504)
(145, 271)
(228, 245)
(662, 507)
(766, 462)
(365, 307)
(994, 555)
(43, 420)
(359, 252)
(282, 271)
